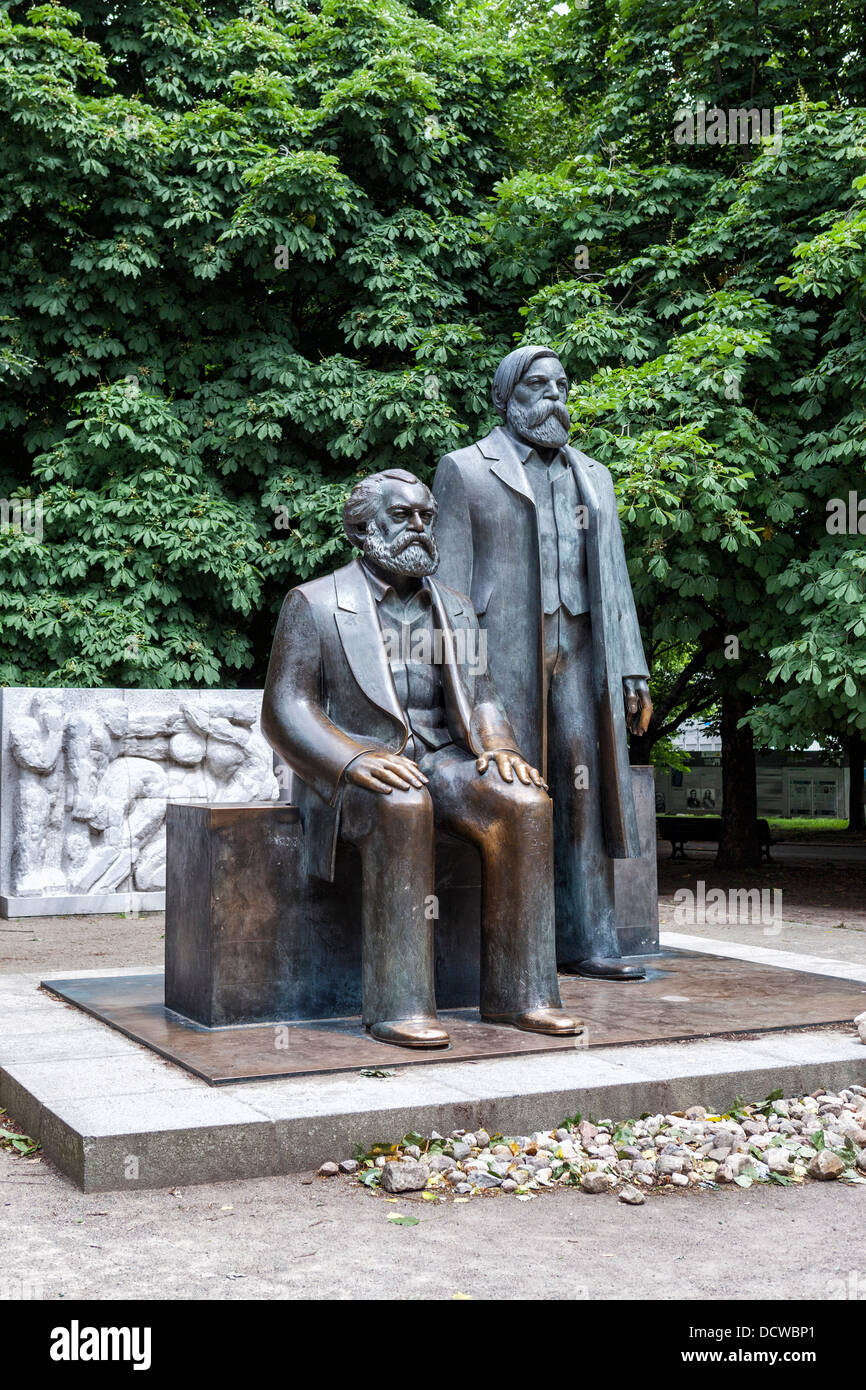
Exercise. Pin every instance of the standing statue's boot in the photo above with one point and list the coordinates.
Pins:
(604, 968)
(410, 1032)
(554, 1022)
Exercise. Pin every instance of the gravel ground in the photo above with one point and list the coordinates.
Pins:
(306, 1237)
(81, 943)
(823, 905)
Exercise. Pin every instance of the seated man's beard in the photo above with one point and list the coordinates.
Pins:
(545, 423)
(407, 554)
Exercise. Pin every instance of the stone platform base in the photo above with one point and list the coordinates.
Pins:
(112, 1115)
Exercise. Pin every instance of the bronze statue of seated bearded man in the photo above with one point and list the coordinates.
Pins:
(379, 699)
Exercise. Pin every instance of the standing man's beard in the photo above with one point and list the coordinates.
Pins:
(545, 423)
(415, 555)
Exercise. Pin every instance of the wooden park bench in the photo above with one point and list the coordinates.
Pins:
(703, 829)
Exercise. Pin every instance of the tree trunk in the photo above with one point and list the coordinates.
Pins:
(640, 747)
(856, 747)
(738, 847)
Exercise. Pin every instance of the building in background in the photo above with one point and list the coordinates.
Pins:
(812, 783)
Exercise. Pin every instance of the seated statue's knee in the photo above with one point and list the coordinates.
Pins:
(414, 804)
(519, 797)
(516, 804)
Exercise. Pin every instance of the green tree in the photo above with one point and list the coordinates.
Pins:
(704, 335)
(251, 253)
(242, 265)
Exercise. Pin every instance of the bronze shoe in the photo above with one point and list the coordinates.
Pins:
(555, 1022)
(410, 1032)
(604, 968)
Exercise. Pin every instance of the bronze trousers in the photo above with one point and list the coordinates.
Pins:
(583, 873)
(512, 827)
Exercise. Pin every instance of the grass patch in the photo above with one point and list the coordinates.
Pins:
(808, 828)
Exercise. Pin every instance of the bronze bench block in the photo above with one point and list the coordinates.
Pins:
(251, 938)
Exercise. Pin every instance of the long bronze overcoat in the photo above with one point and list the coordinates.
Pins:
(487, 534)
(330, 695)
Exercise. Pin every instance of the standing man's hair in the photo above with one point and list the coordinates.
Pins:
(511, 369)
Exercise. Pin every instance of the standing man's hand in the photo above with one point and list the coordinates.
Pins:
(638, 704)
(509, 764)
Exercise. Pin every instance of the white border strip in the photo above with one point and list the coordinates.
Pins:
(765, 955)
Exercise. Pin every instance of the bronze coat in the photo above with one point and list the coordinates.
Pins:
(487, 534)
(330, 695)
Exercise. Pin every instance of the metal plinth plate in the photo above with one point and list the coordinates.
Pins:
(686, 995)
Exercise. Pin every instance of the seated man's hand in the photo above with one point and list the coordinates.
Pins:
(380, 772)
(508, 764)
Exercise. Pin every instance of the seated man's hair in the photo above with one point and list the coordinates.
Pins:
(364, 499)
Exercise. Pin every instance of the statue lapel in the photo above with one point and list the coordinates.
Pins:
(581, 467)
(361, 638)
(505, 462)
(458, 700)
